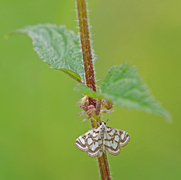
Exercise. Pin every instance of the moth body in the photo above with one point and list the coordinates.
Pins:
(102, 138)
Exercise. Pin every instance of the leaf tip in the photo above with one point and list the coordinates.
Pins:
(168, 117)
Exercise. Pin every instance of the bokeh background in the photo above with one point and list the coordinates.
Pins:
(38, 122)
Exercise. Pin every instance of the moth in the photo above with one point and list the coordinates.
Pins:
(102, 138)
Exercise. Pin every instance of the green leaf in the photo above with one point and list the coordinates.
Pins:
(124, 87)
(58, 46)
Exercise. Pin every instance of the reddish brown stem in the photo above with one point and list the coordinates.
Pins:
(85, 42)
(86, 50)
(89, 75)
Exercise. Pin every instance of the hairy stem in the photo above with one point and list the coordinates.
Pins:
(86, 49)
(89, 75)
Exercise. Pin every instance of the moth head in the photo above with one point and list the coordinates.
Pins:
(103, 123)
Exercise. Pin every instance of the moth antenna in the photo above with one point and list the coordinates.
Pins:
(108, 117)
(96, 121)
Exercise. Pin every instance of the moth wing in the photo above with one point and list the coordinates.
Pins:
(123, 138)
(111, 144)
(93, 150)
(88, 142)
(93, 143)
(115, 139)
(81, 141)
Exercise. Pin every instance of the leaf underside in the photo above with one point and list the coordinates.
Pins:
(58, 47)
(124, 87)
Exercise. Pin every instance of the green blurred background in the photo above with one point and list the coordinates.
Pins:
(38, 122)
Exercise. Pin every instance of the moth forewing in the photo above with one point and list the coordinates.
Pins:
(88, 142)
(112, 141)
(81, 141)
(80, 144)
(94, 150)
(124, 138)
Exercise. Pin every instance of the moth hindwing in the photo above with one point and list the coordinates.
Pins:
(102, 138)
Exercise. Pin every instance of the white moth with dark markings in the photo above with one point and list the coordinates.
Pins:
(102, 138)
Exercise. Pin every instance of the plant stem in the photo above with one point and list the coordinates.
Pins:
(86, 50)
(89, 75)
